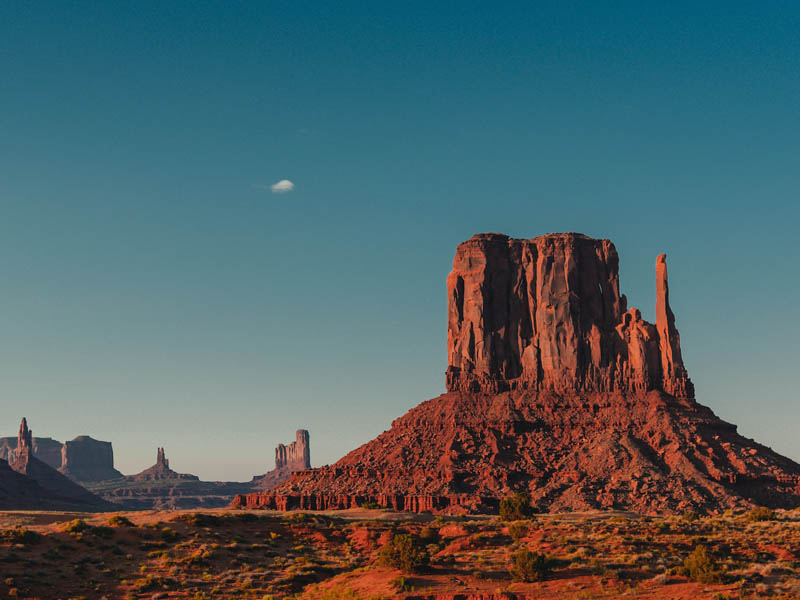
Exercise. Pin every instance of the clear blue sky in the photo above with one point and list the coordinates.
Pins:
(155, 292)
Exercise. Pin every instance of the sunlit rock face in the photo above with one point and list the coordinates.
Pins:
(547, 314)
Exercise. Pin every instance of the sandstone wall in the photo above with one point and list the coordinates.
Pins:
(547, 313)
(296, 456)
(87, 459)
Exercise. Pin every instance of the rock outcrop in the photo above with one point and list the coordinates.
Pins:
(46, 449)
(558, 389)
(547, 314)
(83, 459)
(160, 471)
(288, 459)
(55, 485)
(296, 456)
(87, 459)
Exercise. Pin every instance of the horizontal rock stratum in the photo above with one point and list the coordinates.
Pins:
(558, 389)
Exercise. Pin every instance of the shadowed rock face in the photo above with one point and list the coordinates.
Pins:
(547, 314)
(50, 480)
(87, 459)
(556, 389)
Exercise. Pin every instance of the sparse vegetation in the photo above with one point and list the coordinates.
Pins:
(528, 566)
(21, 536)
(700, 566)
(316, 556)
(405, 551)
(120, 521)
(762, 513)
(515, 507)
(518, 530)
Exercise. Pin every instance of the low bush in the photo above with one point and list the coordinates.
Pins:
(120, 521)
(690, 516)
(401, 584)
(20, 536)
(200, 519)
(518, 530)
(75, 526)
(405, 551)
(516, 507)
(700, 567)
(528, 566)
(429, 535)
(762, 513)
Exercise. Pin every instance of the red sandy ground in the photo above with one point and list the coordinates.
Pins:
(242, 554)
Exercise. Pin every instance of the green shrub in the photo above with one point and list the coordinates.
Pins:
(429, 535)
(120, 521)
(20, 536)
(200, 519)
(530, 566)
(762, 513)
(518, 530)
(405, 551)
(75, 526)
(370, 505)
(401, 584)
(700, 566)
(516, 507)
(690, 516)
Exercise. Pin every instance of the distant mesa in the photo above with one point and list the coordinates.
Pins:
(160, 487)
(556, 388)
(160, 471)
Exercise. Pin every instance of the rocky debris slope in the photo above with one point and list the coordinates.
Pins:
(558, 389)
(88, 459)
(288, 459)
(55, 485)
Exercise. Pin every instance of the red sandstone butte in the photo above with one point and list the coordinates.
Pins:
(558, 389)
(288, 460)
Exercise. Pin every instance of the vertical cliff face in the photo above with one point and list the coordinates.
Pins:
(88, 459)
(296, 456)
(547, 314)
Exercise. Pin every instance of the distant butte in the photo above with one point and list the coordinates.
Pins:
(288, 460)
(555, 387)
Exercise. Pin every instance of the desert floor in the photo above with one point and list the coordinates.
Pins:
(254, 554)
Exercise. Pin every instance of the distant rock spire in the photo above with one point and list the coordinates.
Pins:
(161, 459)
(25, 437)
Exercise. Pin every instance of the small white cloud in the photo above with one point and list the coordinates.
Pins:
(281, 187)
